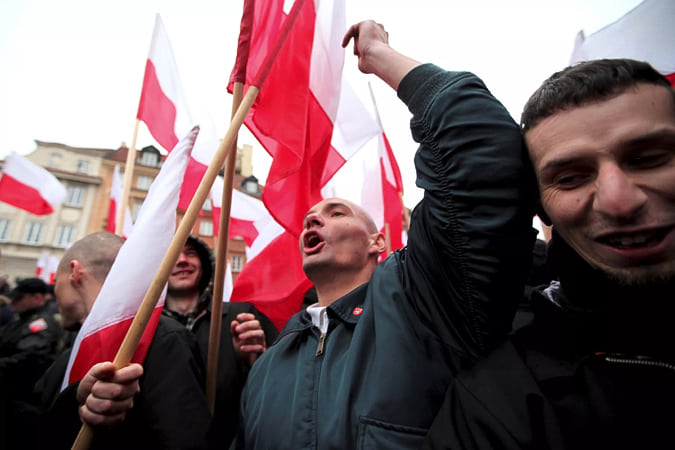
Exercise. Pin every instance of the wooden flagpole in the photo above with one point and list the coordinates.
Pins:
(126, 186)
(151, 297)
(133, 336)
(221, 261)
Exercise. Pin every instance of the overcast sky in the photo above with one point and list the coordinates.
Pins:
(72, 70)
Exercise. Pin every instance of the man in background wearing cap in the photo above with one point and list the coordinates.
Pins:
(188, 301)
(27, 347)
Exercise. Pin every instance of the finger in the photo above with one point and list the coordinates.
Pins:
(252, 335)
(114, 391)
(92, 418)
(353, 31)
(245, 317)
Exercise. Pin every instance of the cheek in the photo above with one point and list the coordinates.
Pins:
(563, 207)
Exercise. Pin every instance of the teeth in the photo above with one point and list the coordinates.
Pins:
(631, 241)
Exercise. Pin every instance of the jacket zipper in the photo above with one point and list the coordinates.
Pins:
(319, 347)
(638, 361)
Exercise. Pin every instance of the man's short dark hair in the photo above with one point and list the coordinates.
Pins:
(587, 82)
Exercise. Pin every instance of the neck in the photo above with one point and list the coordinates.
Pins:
(182, 303)
(333, 286)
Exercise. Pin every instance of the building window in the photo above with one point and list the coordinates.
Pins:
(82, 166)
(4, 229)
(75, 196)
(54, 160)
(143, 182)
(237, 263)
(65, 235)
(206, 228)
(33, 233)
(207, 205)
(149, 159)
(136, 209)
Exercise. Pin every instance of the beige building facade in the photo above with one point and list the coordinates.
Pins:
(87, 174)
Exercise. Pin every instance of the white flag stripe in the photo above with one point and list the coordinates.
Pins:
(141, 255)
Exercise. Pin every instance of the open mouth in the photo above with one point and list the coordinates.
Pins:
(635, 240)
(311, 241)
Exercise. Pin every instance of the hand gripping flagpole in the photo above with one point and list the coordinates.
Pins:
(133, 336)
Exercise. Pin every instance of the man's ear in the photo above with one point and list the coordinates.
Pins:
(76, 272)
(378, 243)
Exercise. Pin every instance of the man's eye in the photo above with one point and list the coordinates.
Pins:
(337, 213)
(571, 180)
(650, 160)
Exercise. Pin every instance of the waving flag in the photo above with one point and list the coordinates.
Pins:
(165, 110)
(381, 194)
(46, 267)
(115, 201)
(30, 187)
(310, 121)
(132, 272)
(299, 109)
(646, 33)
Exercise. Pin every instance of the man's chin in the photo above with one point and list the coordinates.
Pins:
(642, 275)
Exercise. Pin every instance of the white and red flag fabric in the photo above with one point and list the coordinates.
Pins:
(300, 112)
(166, 112)
(46, 267)
(245, 211)
(381, 193)
(27, 186)
(132, 272)
(115, 202)
(309, 120)
(645, 33)
(270, 278)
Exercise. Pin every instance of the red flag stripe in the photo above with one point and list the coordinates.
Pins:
(157, 110)
(106, 342)
(23, 196)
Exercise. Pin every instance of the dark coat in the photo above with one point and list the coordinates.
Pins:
(170, 412)
(595, 369)
(378, 376)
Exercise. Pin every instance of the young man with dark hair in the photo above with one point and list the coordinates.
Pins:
(596, 368)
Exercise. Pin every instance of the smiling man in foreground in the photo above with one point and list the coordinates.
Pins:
(596, 368)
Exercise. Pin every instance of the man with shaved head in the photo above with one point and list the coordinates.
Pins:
(368, 364)
(166, 408)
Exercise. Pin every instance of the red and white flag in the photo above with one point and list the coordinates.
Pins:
(132, 272)
(300, 111)
(245, 211)
(270, 251)
(46, 267)
(165, 110)
(381, 193)
(646, 33)
(310, 121)
(115, 201)
(27, 186)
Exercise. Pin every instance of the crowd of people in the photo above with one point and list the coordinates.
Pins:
(470, 337)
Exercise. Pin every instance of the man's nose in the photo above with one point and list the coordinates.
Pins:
(617, 196)
(313, 219)
(181, 257)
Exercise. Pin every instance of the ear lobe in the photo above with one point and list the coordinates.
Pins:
(378, 242)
